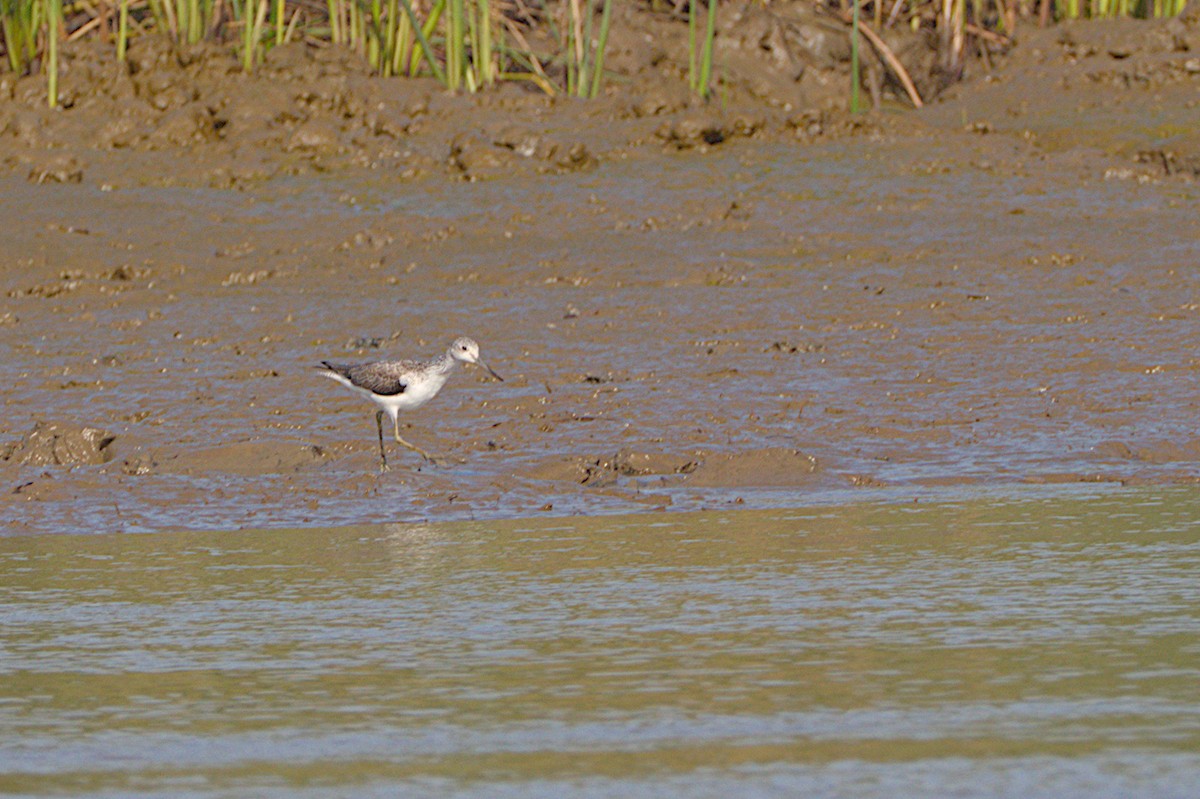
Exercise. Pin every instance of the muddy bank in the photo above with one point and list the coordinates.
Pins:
(189, 115)
(999, 289)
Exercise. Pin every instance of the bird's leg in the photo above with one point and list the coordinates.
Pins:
(399, 440)
(383, 467)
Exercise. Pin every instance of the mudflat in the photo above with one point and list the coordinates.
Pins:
(756, 300)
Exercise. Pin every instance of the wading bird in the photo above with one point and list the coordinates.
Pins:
(403, 385)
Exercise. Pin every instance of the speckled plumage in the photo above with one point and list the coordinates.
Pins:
(403, 385)
(387, 378)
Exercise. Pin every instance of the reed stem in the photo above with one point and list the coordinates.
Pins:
(710, 31)
(601, 45)
(123, 30)
(700, 52)
(854, 76)
(484, 55)
(53, 18)
(422, 37)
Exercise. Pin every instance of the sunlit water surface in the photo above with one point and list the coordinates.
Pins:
(1000, 648)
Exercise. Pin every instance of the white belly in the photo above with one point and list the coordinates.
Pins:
(417, 394)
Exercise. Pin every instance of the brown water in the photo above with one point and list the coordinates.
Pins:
(991, 647)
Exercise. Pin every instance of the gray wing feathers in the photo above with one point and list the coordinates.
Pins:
(379, 378)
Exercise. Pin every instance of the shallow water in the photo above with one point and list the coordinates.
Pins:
(988, 647)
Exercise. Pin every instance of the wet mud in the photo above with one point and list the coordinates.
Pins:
(758, 301)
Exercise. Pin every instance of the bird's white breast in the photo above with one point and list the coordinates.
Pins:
(421, 391)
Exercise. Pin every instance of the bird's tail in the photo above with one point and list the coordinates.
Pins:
(332, 369)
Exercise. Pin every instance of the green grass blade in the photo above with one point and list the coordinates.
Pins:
(585, 61)
(710, 32)
(123, 30)
(601, 44)
(423, 40)
(455, 44)
(335, 21)
(854, 59)
(53, 10)
(693, 26)
(12, 44)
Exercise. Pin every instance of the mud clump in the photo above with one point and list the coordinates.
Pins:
(243, 458)
(699, 130)
(634, 463)
(475, 159)
(56, 169)
(768, 468)
(607, 471)
(56, 444)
